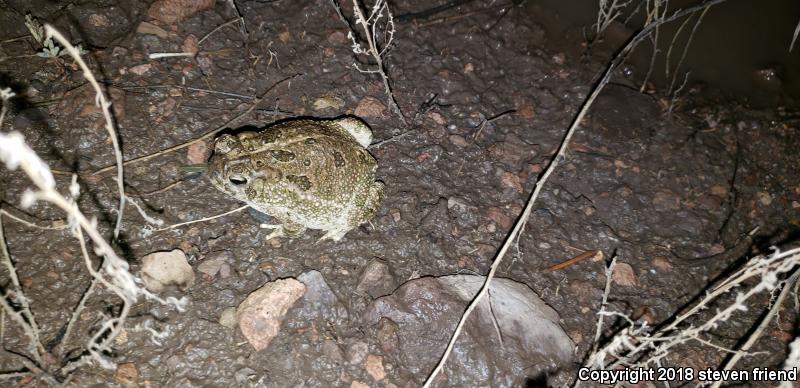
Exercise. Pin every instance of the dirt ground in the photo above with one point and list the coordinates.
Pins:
(487, 98)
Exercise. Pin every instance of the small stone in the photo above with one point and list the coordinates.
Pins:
(140, 69)
(326, 102)
(225, 270)
(190, 44)
(624, 275)
(358, 384)
(356, 353)
(337, 37)
(469, 68)
(274, 242)
(765, 198)
(228, 318)
(719, 190)
(437, 118)
(285, 36)
(261, 314)
(511, 180)
(499, 217)
(396, 216)
(458, 140)
(661, 263)
(162, 269)
(387, 334)
(376, 279)
(374, 366)
(127, 375)
(197, 153)
(370, 107)
(97, 20)
(211, 266)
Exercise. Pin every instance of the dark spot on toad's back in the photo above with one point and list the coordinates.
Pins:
(338, 159)
(282, 155)
(300, 181)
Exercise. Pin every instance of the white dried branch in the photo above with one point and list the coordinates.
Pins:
(609, 11)
(105, 105)
(792, 360)
(23, 317)
(374, 47)
(633, 343)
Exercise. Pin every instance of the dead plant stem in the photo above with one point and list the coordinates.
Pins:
(105, 104)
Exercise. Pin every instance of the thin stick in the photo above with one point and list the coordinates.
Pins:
(686, 49)
(104, 103)
(207, 135)
(24, 317)
(75, 314)
(518, 226)
(203, 219)
(31, 224)
(221, 26)
(607, 291)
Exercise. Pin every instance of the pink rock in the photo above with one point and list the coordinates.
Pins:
(261, 314)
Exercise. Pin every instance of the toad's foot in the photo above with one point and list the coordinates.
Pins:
(334, 235)
(288, 229)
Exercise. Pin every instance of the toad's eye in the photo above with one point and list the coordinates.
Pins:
(238, 180)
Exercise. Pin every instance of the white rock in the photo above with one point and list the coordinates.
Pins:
(163, 269)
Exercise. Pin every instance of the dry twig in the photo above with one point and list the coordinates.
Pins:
(104, 104)
(376, 47)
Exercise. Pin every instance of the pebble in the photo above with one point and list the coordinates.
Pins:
(162, 269)
(624, 275)
(228, 318)
(374, 366)
(499, 217)
(356, 352)
(370, 107)
(127, 375)
(458, 140)
(261, 314)
(376, 279)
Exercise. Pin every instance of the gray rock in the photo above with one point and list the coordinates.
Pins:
(518, 337)
(319, 300)
(376, 279)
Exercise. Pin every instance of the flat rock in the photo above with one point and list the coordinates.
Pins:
(376, 279)
(163, 269)
(319, 300)
(261, 314)
(518, 337)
